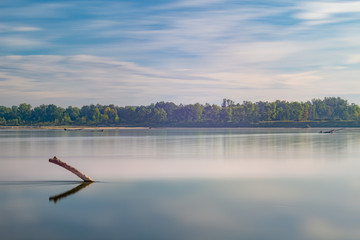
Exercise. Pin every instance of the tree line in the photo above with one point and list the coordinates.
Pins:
(170, 114)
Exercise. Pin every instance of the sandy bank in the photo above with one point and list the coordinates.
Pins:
(68, 128)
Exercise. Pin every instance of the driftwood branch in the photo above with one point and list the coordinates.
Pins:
(57, 161)
(332, 130)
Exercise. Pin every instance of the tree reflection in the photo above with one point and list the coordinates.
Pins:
(74, 190)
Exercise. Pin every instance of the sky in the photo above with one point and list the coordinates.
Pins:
(137, 52)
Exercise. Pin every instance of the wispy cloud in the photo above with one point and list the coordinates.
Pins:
(21, 42)
(85, 79)
(329, 12)
(35, 10)
(26, 29)
(182, 51)
(189, 4)
(354, 59)
(18, 28)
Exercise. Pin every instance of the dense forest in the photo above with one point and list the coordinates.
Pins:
(332, 110)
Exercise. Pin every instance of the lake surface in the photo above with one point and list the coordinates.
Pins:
(181, 184)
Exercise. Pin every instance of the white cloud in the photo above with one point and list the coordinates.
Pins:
(228, 50)
(353, 59)
(21, 42)
(188, 3)
(84, 79)
(302, 79)
(323, 11)
(36, 10)
(239, 55)
(26, 29)
(18, 28)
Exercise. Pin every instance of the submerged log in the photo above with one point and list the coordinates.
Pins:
(57, 161)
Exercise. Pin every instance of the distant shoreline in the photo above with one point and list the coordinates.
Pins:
(68, 128)
(273, 124)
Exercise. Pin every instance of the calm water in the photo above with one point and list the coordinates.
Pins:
(181, 184)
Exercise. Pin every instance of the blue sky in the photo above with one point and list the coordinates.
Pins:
(141, 52)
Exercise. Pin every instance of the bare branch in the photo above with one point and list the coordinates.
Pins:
(57, 161)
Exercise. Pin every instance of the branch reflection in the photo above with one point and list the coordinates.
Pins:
(76, 189)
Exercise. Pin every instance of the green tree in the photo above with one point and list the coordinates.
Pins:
(73, 113)
(282, 110)
(330, 108)
(226, 110)
(321, 108)
(14, 114)
(127, 114)
(111, 112)
(143, 114)
(354, 112)
(54, 114)
(39, 114)
(5, 112)
(211, 113)
(169, 108)
(158, 115)
(2, 121)
(25, 112)
(297, 111)
(249, 112)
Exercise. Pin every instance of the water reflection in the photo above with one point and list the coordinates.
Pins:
(271, 209)
(72, 191)
(164, 153)
(225, 184)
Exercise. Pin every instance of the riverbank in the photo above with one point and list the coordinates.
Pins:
(260, 124)
(68, 128)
